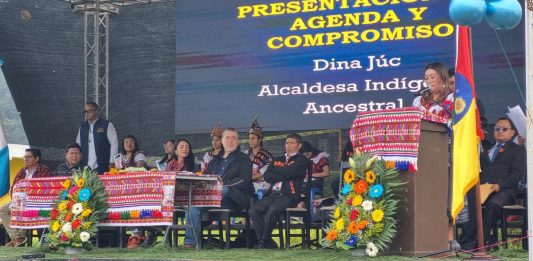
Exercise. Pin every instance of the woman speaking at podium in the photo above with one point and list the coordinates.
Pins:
(437, 97)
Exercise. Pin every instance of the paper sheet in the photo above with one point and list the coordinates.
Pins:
(484, 191)
(519, 119)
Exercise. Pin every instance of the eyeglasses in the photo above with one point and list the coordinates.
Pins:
(502, 129)
(87, 111)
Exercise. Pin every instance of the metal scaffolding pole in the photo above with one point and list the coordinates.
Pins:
(96, 61)
(96, 45)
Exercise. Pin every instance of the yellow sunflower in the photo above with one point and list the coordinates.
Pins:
(80, 182)
(390, 164)
(86, 213)
(337, 213)
(370, 177)
(66, 184)
(377, 215)
(357, 200)
(55, 226)
(339, 225)
(349, 176)
(62, 206)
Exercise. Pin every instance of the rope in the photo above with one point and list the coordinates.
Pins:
(472, 251)
(514, 75)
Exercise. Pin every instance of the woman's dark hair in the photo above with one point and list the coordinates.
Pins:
(347, 151)
(442, 72)
(451, 72)
(135, 149)
(307, 147)
(165, 158)
(189, 160)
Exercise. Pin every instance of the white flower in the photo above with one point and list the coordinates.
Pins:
(367, 205)
(67, 227)
(77, 208)
(371, 249)
(84, 236)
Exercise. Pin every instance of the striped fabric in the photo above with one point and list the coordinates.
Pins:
(391, 134)
(205, 193)
(132, 191)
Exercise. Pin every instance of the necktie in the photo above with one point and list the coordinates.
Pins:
(495, 151)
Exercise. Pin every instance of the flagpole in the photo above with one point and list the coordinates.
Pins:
(528, 28)
(479, 218)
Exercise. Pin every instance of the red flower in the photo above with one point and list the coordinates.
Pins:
(70, 204)
(53, 213)
(64, 237)
(76, 223)
(354, 214)
(349, 201)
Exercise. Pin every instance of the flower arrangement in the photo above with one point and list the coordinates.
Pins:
(81, 205)
(115, 171)
(368, 202)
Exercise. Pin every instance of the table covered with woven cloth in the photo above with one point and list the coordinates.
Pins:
(134, 199)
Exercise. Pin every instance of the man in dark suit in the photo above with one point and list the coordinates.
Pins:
(234, 168)
(503, 166)
(285, 175)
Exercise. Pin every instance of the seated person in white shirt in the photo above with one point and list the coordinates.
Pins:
(131, 155)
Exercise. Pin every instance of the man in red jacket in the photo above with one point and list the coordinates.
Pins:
(32, 169)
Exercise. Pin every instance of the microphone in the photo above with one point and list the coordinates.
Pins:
(422, 91)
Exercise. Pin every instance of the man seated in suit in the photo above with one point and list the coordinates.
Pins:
(503, 166)
(234, 168)
(285, 175)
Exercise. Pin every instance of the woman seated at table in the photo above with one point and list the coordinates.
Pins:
(439, 99)
(168, 146)
(183, 159)
(216, 148)
(131, 156)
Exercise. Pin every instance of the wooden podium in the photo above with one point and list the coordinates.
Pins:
(423, 223)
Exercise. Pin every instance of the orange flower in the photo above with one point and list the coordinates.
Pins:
(113, 171)
(352, 228)
(68, 217)
(361, 186)
(332, 235)
(390, 164)
(362, 224)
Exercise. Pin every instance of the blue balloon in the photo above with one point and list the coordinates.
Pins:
(503, 14)
(467, 12)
